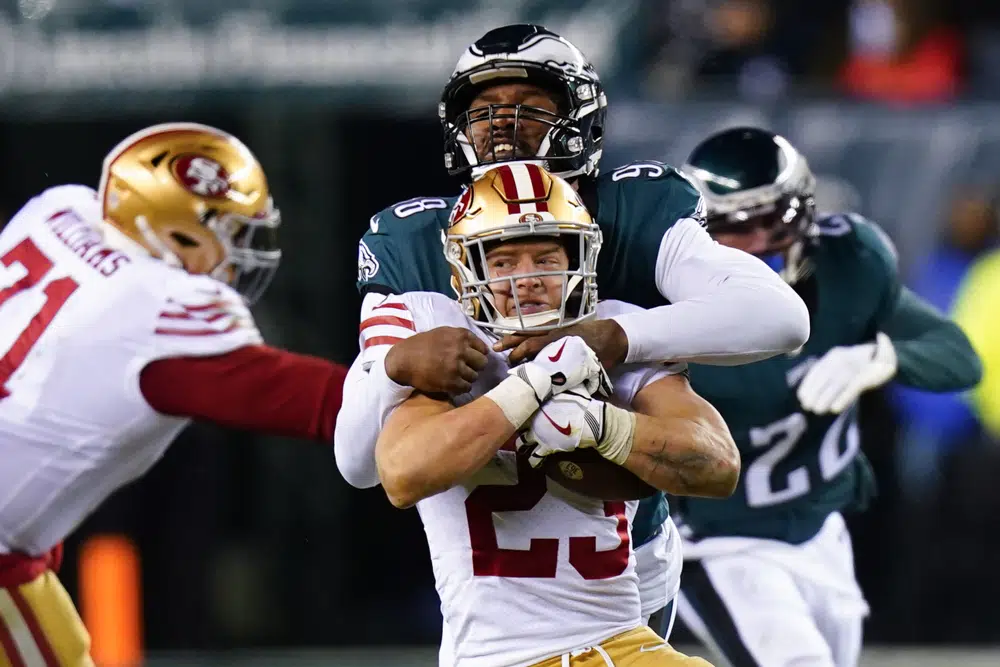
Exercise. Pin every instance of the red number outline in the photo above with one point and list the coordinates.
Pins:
(541, 558)
(37, 266)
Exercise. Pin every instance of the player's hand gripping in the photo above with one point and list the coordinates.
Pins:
(565, 422)
(443, 360)
(573, 420)
(562, 365)
(605, 337)
(841, 375)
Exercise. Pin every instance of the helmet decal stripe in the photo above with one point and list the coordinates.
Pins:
(537, 186)
(509, 188)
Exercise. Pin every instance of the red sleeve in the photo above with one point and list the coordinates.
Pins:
(255, 388)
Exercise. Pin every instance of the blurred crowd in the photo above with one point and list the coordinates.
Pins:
(893, 51)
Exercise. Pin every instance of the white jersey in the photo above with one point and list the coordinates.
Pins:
(525, 569)
(78, 322)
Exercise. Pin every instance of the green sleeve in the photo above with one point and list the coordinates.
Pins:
(933, 354)
(379, 262)
(402, 250)
(638, 204)
(931, 351)
(879, 254)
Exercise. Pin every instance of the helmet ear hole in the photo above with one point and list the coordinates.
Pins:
(183, 240)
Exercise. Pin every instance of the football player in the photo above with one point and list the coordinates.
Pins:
(520, 97)
(553, 581)
(124, 315)
(769, 572)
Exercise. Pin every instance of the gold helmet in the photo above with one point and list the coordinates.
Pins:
(511, 202)
(197, 198)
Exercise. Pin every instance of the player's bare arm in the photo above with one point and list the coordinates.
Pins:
(681, 444)
(428, 446)
(671, 438)
(444, 360)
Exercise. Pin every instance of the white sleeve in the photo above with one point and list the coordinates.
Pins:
(370, 395)
(633, 378)
(198, 316)
(629, 379)
(726, 308)
(369, 398)
(385, 320)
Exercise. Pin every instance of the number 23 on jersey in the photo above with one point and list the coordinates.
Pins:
(24, 269)
(541, 558)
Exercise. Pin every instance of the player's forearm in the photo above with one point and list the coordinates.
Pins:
(684, 456)
(932, 351)
(254, 388)
(737, 324)
(727, 308)
(433, 454)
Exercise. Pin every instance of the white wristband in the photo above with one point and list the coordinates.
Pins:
(619, 432)
(516, 398)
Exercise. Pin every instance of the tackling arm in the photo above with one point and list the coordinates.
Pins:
(727, 307)
(369, 397)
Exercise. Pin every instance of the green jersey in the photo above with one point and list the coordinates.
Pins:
(798, 467)
(635, 205)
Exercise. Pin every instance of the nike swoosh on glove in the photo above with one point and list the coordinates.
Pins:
(841, 375)
(561, 365)
(565, 422)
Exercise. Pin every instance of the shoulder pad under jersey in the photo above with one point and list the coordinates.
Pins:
(636, 205)
(402, 250)
(853, 233)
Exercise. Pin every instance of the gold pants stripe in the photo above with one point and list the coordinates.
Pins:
(43, 625)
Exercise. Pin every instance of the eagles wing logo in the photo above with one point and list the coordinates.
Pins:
(368, 266)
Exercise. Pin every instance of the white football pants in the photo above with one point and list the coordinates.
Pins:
(762, 603)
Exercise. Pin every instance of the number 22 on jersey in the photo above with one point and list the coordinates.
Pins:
(24, 268)
(781, 437)
(541, 558)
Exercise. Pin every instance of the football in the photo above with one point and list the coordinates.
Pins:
(586, 472)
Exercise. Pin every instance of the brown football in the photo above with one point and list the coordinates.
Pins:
(586, 472)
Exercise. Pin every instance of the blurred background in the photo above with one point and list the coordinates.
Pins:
(254, 551)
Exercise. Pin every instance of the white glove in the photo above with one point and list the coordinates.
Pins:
(573, 420)
(561, 365)
(565, 422)
(841, 375)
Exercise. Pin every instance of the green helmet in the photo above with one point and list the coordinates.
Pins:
(750, 177)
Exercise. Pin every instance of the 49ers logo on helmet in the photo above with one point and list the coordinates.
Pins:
(461, 206)
(201, 175)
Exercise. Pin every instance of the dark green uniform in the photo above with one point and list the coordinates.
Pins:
(635, 205)
(798, 467)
